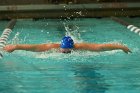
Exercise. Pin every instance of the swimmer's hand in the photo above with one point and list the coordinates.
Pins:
(9, 48)
(126, 50)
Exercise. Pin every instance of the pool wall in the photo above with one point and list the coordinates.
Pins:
(68, 9)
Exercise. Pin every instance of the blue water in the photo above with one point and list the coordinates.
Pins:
(78, 72)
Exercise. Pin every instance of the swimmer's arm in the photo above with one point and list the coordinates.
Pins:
(101, 47)
(31, 47)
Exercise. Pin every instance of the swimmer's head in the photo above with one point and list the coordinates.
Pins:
(66, 44)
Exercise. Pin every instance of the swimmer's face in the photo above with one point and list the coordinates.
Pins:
(66, 50)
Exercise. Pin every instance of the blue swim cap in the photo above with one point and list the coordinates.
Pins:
(67, 42)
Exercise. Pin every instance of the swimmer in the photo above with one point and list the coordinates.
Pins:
(66, 46)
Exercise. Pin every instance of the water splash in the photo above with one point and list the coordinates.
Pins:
(15, 40)
(81, 54)
(73, 31)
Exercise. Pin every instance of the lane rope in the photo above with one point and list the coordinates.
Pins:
(3, 39)
(129, 26)
(134, 29)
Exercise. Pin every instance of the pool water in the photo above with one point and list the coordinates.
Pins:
(78, 72)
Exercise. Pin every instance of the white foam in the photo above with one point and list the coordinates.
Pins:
(82, 54)
(15, 40)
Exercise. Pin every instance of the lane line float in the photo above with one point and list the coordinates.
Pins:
(5, 35)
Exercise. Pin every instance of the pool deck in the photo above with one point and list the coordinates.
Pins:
(69, 10)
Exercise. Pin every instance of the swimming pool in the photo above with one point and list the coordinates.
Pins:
(78, 72)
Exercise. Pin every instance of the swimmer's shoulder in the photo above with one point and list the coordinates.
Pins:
(78, 45)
